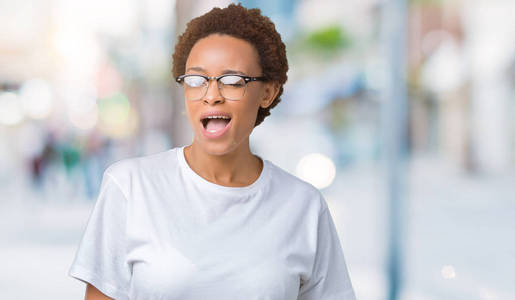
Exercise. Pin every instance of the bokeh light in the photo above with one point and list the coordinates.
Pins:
(116, 118)
(11, 110)
(448, 272)
(37, 98)
(317, 169)
(84, 119)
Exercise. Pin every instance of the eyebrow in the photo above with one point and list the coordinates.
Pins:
(195, 69)
(227, 71)
(232, 72)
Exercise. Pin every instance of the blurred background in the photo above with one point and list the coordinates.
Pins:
(400, 112)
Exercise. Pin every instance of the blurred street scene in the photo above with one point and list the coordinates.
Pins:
(86, 83)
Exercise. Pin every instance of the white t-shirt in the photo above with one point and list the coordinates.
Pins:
(160, 231)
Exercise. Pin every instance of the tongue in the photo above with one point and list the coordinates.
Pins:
(216, 124)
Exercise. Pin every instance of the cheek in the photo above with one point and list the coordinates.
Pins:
(253, 102)
(189, 113)
(248, 114)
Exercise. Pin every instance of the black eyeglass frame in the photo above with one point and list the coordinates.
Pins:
(247, 79)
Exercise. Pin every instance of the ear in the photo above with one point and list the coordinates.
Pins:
(270, 91)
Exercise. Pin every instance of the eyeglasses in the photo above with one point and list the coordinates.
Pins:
(230, 86)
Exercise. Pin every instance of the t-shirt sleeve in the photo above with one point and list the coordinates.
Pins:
(329, 279)
(101, 257)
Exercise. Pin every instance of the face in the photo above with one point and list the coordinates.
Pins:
(216, 55)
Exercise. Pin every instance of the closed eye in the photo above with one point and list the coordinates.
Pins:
(233, 81)
(195, 81)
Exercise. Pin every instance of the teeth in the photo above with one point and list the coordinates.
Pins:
(218, 117)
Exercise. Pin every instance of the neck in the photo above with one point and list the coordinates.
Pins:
(235, 169)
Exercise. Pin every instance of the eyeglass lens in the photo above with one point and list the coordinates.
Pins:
(231, 87)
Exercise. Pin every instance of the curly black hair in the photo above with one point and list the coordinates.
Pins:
(247, 24)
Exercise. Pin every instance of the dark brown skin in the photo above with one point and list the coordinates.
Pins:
(92, 293)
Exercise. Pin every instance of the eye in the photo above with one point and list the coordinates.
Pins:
(233, 81)
(194, 81)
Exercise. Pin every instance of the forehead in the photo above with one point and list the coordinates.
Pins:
(216, 53)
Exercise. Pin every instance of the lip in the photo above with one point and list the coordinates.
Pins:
(217, 134)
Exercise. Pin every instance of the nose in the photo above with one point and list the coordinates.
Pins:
(213, 93)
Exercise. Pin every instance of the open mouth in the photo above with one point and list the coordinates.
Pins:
(214, 124)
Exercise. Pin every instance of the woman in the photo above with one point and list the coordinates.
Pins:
(211, 220)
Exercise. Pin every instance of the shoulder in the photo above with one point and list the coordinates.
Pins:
(126, 171)
(296, 188)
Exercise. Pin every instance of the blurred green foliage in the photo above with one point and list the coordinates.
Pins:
(328, 39)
